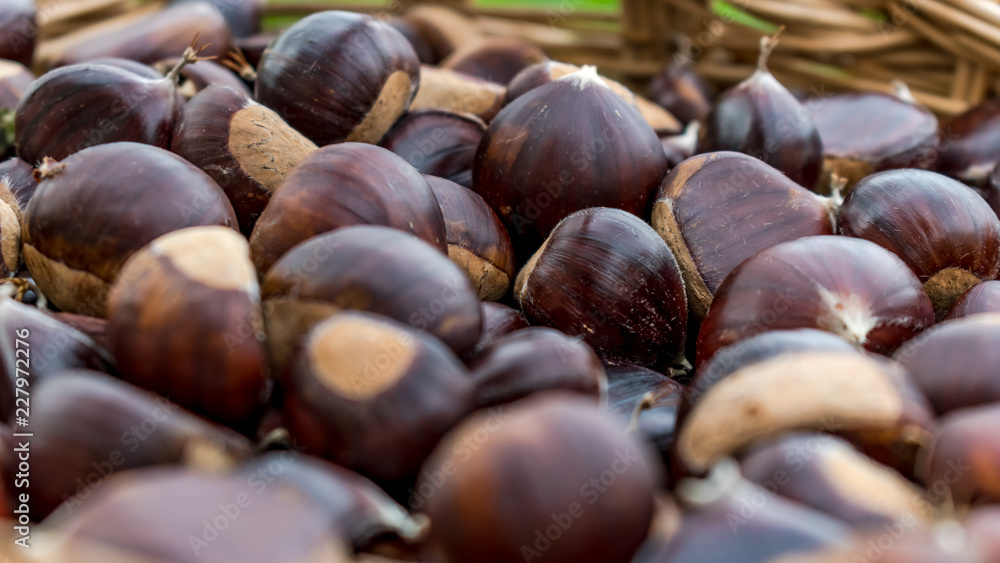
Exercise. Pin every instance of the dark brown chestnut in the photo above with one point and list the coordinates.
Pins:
(970, 144)
(562, 147)
(683, 93)
(245, 147)
(131, 194)
(368, 268)
(445, 89)
(195, 78)
(850, 287)
(87, 426)
(338, 76)
(942, 229)
(962, 463)
(955, 363)
(373, 394)
(870, 132)
(760, 117)
(444, 28)
(340, 185)
(716, 210)
(496, 59)
(983, 297)
(141, 35)
(184, 321)
(19, 26)
(15, 79)
(606, 276)
(535, 360)
(550, 478)
(437, 142)
(647, 399)
(34, 346)
(498, 320)
(477, 240)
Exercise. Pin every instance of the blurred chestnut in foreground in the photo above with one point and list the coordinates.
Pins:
(338, 76)
(956, 363)
(534, 360)
(94, 327)
(870, 399)
(983, 297)
(657, 397)
(850, 287)
(373, 394)
(374, 269)
(498, 320)
(453, 91)
(15, 79)
(868, 132)
(477, 240)
(496, 59)
(96, 208)
(184, 320)
(827, 474)
(942, 229)
(562, 147)
(19, 26)
(550, 478)
(88, 425)
(34, 346)
(605, 275)
(244, 146)
(760, 117)
(683, 93)
(970, 144)
(195, 78)
(141, 36)
(437, 142)
(964, 459)
(182, 516)
(717, 209)
(340, 185)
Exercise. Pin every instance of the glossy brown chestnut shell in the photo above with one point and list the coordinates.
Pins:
(970, 144)
(962, 463)
(850, 287)
(942, 229)
(981, 298)
(437, 142)
(102, 204)
(245, 147)
(498, 320)
(551, 477)
(496, 59)
(445, 89)
(338, 76)
(368, 268)
(955, 363)
(565, 146)
(716, 210)
(655, 398)
(15, 79)
(340, 185)
(606, 276)
(477, 240)
(373, 394)
(19, 24)
(184, 320)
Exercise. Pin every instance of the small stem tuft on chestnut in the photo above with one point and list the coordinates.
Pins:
(237, 62)
(767, 46)
(190, 56)
(643, 405)
(49, 168)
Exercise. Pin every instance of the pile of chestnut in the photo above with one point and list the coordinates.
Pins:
(397, 289)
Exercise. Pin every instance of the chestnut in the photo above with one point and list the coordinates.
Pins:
(646, 399)
(962, 462)
(497, 59)
(368, 268)
(477, 240)
(445, 89)
(363, 70)
(983, 297)
(606, 276)
(373, 394)
(679, 89)
(17, 184)
(850, 287)
(142, 36)
(132, 193)
(421, 46)
(195, 78)
(185, 516)
(535, 360)
(550, 478)
(443, 28)
(201, 279)
(970, 143)
(955, 363)
(828, 474)
(15, 79)
(563, 147)
(498, 320)
(243, 17)
(19, 23)
(942, 229)
(340, 185)
(868, 132)
(760, 117)
(244, 146)
(869, 399)
(715, 210)
(48, 347)
(87, 426)
(437, 142)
